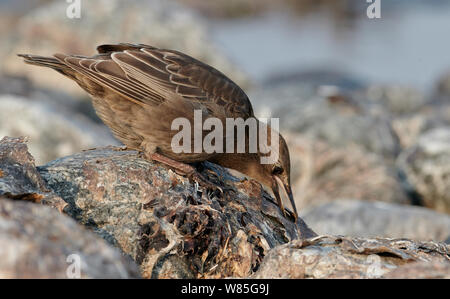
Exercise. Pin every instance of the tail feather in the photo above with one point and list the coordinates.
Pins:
(43, 61)
(50, 62)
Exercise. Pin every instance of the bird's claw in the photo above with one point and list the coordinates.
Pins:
(199, 179)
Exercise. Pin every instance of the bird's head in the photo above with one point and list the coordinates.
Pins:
(277, 175)
(270, 166)
(274, 174)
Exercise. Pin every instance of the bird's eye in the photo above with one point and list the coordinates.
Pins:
(277, 170)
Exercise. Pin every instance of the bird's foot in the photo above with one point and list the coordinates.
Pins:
(204, 182)
(185, 170)
(288, 214)
(121, 148)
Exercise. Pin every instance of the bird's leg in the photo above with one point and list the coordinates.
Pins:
(183, 169)
(121, 148)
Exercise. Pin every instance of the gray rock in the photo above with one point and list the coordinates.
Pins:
(53, 130)
(421, 270)
(39, 242)
(337, 119)
(411, 112)
(442, 88)
(427, 168)
(377, 219)
(19, 178)
(321, 172)
(170, 227)
(396, 100)
(409, 127)
(15, 85)
(346, 257)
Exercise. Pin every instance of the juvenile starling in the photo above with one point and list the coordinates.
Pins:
(138, 90)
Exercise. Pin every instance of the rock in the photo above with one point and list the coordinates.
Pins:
(411, 112)
(15, 85)
(38, 117)
(346, 257)
(442, 87)
(47, 30)
(396, 100)
(421, 270)
(409, 128)
(358, 218)
(38, 242)
(59, 100)
(338, 119)
(427, 168)
(175, 229)
(19, 178)
(321, 172)
(169, 226)
(437, 111)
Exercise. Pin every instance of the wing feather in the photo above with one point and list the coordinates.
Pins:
(150, 76)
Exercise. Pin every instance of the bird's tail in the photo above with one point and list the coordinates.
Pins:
(50, 62)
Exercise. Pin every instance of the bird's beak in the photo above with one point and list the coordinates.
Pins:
(277, 181)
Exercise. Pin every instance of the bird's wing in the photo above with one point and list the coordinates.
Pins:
(150, 76)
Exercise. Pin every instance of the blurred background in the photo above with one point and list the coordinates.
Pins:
(364, 103)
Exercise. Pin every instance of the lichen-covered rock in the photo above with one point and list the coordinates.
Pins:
(38, 119)
(346, 257)
(321, 172)
(359, 218)
(421, 270)
(427, 168)
(171, 227)
(166, 24)
(19, 178)
(39, 242)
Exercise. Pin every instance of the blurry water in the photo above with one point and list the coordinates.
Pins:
(408, 45)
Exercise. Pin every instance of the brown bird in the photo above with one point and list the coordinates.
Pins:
(138, 90)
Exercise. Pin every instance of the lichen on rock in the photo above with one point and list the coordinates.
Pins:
(161, 218)
(173, 227)
(349, 257)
